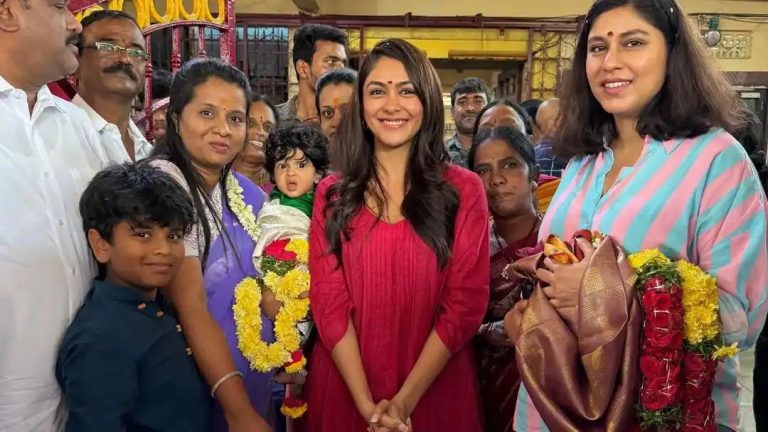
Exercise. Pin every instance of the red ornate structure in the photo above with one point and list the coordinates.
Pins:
(181, 24)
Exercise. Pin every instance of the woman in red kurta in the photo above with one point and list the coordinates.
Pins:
(396, 312)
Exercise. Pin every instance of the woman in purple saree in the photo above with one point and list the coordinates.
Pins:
(207, 116)
(226, 266)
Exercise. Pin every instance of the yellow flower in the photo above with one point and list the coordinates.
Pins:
(292, 284)
(700, 303)
(301, 248)
(639, 259)
(293, 412)
(272, 280)
(246, 309)
(242, 211)
(296, 366)
(726, 351)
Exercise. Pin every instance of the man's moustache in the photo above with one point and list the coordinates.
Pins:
(124, 69)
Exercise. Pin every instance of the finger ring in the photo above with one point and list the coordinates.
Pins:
(302, 372)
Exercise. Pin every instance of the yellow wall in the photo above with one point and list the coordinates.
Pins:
(452, 43)
(505, 8)
(438, 42)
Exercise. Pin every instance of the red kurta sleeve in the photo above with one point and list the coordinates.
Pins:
(466, 291)
(328, 293)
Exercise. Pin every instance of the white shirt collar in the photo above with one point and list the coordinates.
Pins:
(142, 147)
(44, 96)
(98, 121)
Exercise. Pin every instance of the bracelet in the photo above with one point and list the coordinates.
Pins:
(222, 380)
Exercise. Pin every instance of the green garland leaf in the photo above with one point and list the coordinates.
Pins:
(279, 267)
(664, 420)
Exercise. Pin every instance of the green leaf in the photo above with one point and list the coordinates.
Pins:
(664, 420)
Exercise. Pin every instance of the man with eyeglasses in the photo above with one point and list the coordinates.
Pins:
(48, 153)
(111, 75)
(317, 49)
(468, 97)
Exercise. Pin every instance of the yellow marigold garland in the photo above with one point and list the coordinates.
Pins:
(301, 248)
(264, 356)
(701, 311)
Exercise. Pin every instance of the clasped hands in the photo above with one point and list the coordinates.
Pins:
(388, 415)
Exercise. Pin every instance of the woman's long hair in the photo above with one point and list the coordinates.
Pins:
(191, 75)
(430, 203)
(695, 96)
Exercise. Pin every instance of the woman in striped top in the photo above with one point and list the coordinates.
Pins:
(645, 121)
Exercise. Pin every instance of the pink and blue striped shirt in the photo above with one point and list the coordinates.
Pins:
(698, 199)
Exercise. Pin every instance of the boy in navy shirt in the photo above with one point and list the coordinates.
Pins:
(123, 364)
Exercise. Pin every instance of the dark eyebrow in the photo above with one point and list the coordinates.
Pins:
(210, 105)
(379, 83)
(623, 35)
(634, 32)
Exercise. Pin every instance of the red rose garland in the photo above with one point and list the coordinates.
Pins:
(662, 347)
(680, 346)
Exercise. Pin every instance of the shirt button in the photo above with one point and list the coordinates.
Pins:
(47, 174)
(142, 306)
(61, 222)
(178, 328)
(159, 314)
(74, 270)
(189, 351)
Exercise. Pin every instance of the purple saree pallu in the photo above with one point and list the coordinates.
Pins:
(227, 264)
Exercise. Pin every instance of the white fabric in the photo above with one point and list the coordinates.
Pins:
(46, 161)
(110, 135)
(278, 222)
(194, 242)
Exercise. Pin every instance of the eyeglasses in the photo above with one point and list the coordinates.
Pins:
(108, 48)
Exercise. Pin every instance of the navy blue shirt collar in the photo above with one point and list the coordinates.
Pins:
(107, 291)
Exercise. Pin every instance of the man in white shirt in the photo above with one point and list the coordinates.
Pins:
(111, 75)
(48, 153)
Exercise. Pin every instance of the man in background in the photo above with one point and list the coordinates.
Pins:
(111, 75)
(317, 49)
(468, 97)
(547, 122)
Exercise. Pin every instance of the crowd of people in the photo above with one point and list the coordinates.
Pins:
(125, 265)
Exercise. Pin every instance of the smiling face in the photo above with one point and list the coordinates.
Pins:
(626, 61)
(261, 122)
(506, 177)
(295, 175)
(112, 72)
(212, 125)
(391, 109)
(144, 257)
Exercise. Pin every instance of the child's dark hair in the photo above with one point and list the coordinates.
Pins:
(140, 194)
(284, 142)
